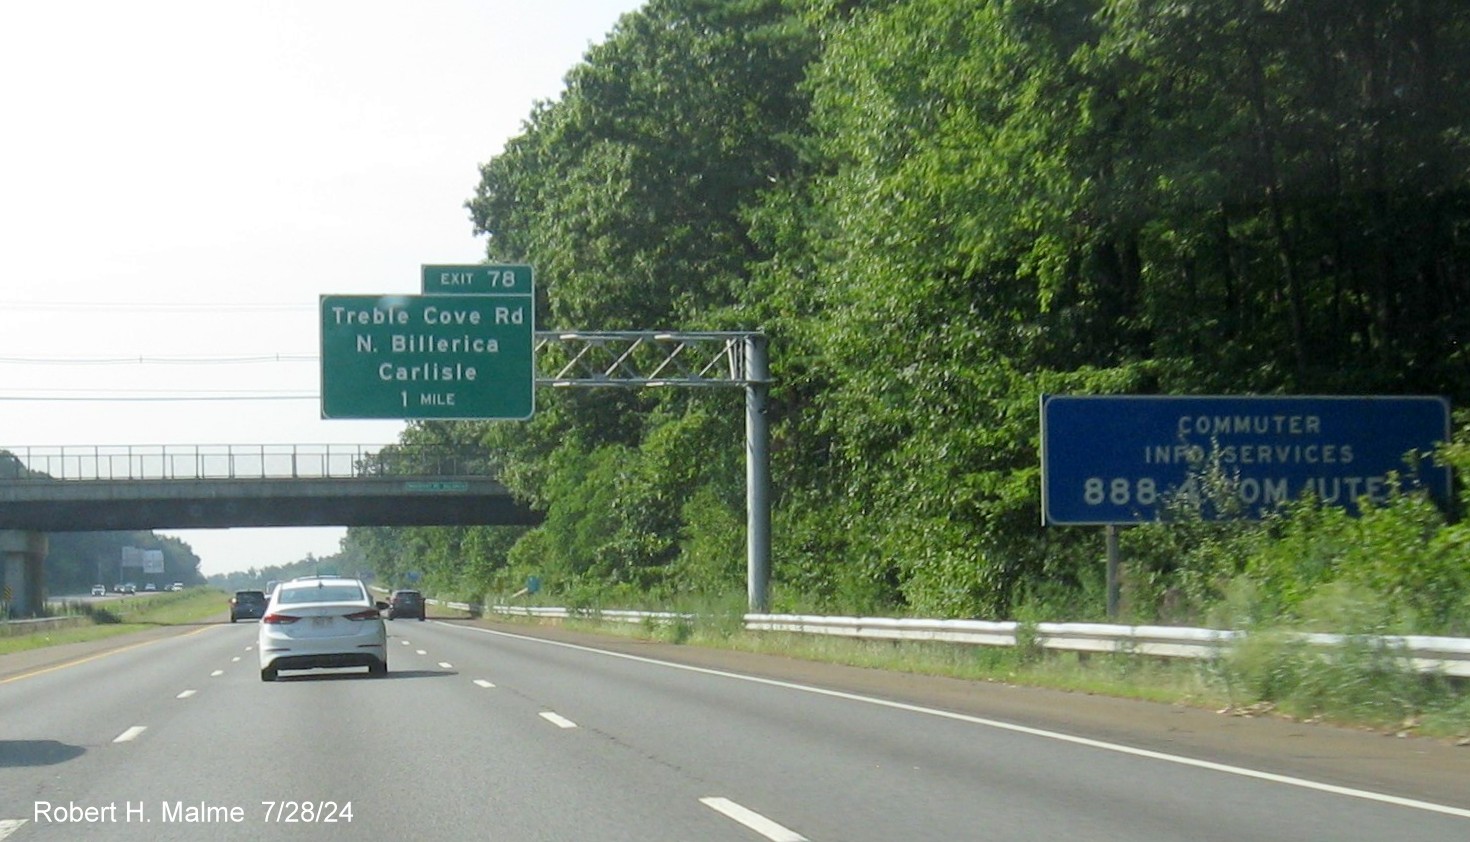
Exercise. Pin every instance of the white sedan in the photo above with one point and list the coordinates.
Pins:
(322, 622)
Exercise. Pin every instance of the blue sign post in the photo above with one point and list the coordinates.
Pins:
(1114, 460)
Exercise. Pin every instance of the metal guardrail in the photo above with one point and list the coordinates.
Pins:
(242, 461)
(1444, 655)
(9, 628)
(567, 613)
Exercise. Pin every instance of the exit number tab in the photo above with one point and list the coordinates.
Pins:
(478, 279)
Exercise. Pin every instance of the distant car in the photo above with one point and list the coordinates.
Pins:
(322, 623)
(270, 588)
(247, 605)
(150, 587)
(176, 586)
(405, 603)
(99, 590)
(129, 587)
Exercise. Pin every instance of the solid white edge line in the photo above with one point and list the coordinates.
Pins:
(483, 683)
(753, 820)
(1239, 771)
(557, 719)
(184, 695)
(9, 826)
(130, 734)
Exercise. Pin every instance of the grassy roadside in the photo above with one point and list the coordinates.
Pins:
(126, 615)
(1354, 690)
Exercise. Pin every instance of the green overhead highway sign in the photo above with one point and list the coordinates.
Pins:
(428, 357)
(479, 279)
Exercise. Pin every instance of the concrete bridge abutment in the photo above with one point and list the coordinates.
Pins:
(22, 582)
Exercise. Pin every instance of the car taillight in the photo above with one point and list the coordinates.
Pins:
(369, 614)
(279, 618)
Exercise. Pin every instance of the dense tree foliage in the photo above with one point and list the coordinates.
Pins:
(939, 210)
(75, 561)
(348, 562)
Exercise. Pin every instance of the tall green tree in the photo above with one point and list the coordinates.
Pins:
(940, 210)
(1089, 196)
(631, 195)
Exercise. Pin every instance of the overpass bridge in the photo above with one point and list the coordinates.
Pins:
(107, 488)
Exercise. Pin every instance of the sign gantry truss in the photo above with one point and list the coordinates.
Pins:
(644, 358)
(635, 359)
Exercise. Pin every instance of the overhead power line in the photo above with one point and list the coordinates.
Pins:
(159, 306)
(192, 398)
(163, 360)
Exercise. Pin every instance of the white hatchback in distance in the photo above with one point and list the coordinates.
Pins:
(321, 623)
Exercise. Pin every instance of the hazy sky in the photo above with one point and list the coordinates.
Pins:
(180, 182)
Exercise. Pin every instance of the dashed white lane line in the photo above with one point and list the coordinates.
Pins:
(184, 695)
(557, 719)
(235, 659)
(446, 665)
(9, 826)
(404, 642)
(130, 734)
(216, 673)
(421, 652)
(753, 820)
(483, 683)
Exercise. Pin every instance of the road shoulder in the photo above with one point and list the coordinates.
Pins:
(1409, 767)
(18, 664)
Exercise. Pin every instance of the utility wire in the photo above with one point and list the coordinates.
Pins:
(157, 306)
(162, 360)
(151, 399)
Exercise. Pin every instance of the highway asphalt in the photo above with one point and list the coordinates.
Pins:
(508, 732)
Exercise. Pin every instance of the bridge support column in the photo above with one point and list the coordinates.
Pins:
(22, 582)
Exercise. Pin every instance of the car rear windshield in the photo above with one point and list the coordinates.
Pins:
(249, 596)
(320, 593)
(408, 597)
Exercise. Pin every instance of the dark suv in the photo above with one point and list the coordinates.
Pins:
(406, 604)
(249, 605)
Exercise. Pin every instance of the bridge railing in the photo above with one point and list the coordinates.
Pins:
(237, 461)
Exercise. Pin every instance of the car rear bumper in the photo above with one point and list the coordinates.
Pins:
(326, 660)
(288, 653)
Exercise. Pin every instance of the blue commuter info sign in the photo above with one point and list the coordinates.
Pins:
(1119, 459)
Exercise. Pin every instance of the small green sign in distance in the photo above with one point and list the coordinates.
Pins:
(436, 486)
(427, 357)
(483, 279)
